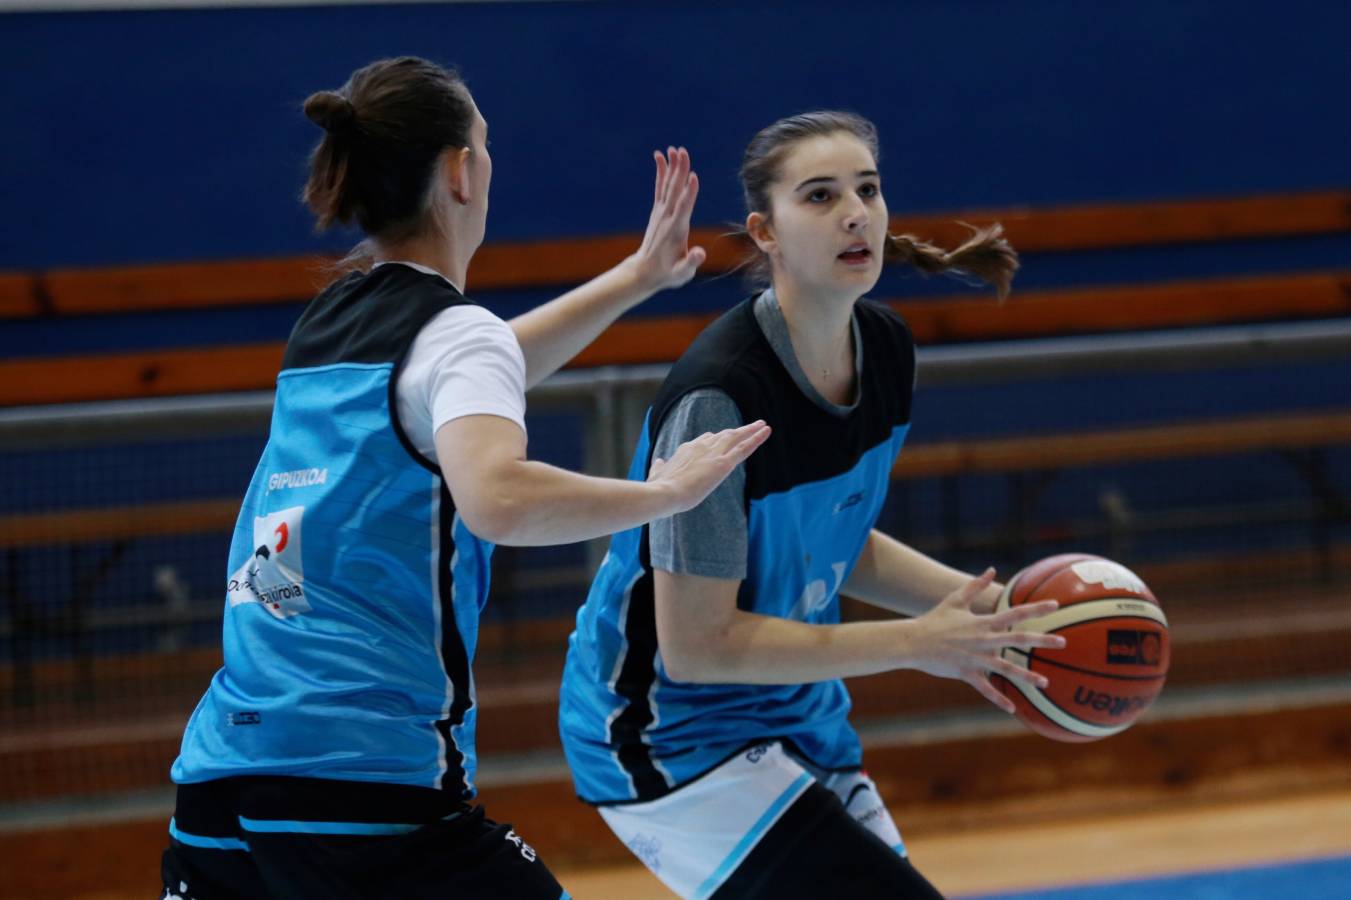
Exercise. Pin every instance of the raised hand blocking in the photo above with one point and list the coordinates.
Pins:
(700, 465)
(665, 259)
(957, 642)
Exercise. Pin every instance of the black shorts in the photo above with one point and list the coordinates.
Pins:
(817, 849)
(276, 837)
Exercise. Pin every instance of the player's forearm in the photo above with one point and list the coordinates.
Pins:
(893, 576)
(527, 503)
(555, 332)
(758, 649)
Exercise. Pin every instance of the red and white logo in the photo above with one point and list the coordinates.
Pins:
(274, 575)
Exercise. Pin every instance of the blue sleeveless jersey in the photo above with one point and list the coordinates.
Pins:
(353, 589)
(813, 493)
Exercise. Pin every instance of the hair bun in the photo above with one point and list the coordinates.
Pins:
(331, 111)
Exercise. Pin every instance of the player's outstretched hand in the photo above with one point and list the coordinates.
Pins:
(665, 259)
(700, 465)
(957, 642)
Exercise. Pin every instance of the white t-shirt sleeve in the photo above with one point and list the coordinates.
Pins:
(464, 362)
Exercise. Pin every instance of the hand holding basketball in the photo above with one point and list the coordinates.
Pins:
(957, 642)
(1116, 656)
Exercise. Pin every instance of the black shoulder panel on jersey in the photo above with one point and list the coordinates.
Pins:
(808, 443)
(367, 318)
(732, 341)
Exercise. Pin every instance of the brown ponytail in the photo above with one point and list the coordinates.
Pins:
(986, 255)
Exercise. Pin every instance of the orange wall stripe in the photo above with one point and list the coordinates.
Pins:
(655, 340)
(1130, 307)
(1056, 451)
(18, 296)
(184, 285)
(1172, 222)
(501, 266)
(119, 522)
(147, 374)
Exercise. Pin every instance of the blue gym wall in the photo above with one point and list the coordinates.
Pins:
(176, 134)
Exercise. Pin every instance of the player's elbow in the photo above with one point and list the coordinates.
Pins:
(494, 524)
(492, 509)
(691, 661)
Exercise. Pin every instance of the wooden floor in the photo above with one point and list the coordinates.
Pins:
(1080, 851)
(974, 860)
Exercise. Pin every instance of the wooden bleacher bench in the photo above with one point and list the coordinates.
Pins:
(117, 523)
(1124, 445)
(639, 340)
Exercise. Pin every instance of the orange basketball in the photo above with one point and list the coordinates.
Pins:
(1116, 655)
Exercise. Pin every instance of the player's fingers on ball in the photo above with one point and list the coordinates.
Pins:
(969, 591)
(989, 692)
(1019, 674)
(1033, 640)
(1028, 611)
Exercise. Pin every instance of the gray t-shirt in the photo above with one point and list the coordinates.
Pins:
(711, 539)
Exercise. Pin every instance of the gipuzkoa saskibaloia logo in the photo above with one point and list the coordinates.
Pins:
(274, 575)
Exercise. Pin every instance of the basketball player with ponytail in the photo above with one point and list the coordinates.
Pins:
(703, 710)
(333, 754)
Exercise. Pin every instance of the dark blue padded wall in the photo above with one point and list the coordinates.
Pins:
(176, 134)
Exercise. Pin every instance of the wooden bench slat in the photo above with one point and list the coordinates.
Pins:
(117, 522)
(1058, 451)
(1131, 307)
(655, 340)
(1044, 313)
(153, 373)
(513, 265)
(18, 296)
(185, 285)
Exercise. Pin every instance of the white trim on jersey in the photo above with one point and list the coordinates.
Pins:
(694, 838)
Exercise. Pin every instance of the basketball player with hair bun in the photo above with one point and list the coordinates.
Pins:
(333, 754)
(703, 710)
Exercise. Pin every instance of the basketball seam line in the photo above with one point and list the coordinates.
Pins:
(1072, 668)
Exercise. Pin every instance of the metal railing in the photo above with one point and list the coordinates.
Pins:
(617, 396)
